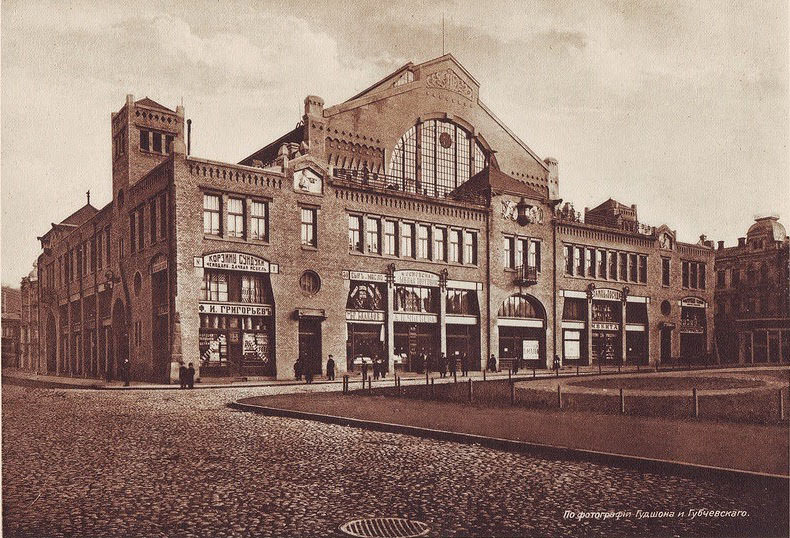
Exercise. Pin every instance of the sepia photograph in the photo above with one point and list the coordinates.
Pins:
(320, 268)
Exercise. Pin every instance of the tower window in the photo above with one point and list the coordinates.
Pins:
(158, 142)
(144, 140)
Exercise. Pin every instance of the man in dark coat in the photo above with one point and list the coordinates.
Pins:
(364, 370)
(127, 371)
(464, 365)
(182, 376)
(191, 376)
(330, 369)
(451, 363)
(492, 363)
(298, 369)
(442, 365)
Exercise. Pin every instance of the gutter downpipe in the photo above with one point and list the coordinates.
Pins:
(488, 280)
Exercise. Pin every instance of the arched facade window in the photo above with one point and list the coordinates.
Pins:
(521, 306)
(436, 156)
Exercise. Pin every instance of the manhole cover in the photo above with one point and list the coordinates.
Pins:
(385, 527)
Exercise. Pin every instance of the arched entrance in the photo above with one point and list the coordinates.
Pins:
(52, 344)
(522, 332)
(120, 336)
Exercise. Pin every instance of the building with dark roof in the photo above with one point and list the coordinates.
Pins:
(753, 295)
(403, 223)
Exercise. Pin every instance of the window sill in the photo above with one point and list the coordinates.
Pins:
(596, 279)
(309, 247)
(235, 240)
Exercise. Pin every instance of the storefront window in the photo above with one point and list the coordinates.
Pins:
(252, 289)
(462, 302)
(521, 306)
(214, 287)
(572, 344)
(575, 309)
(365, 296)
(636, 313)
(415, 299)
(606, 311)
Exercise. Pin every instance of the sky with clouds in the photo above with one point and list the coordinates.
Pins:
(678, 107)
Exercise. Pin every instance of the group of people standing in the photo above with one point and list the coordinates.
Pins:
(187, 376)
(443, 364)
(302, 369)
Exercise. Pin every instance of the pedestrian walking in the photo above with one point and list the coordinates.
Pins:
(492, 363)
(330, 369)
(127, 371)
(442, 365)
(464, 365)
(451, 364)
(298, 369)
(382, 368)
(308, 372)
(182, 375)
(376, 368)
(191, 376)
(556, 365)
(516, 362)
(364, 369)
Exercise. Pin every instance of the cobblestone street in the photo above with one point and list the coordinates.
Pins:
(180, 463)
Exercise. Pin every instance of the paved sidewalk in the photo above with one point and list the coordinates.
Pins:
(31, 379)
(746, 447)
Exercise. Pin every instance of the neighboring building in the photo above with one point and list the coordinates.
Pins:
(753, 295)
(630, 291)
(28, 344)
(11, 309)
(406, 220)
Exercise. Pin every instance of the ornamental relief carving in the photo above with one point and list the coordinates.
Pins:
(448, 80)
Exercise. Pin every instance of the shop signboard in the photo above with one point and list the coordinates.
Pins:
(416, 278)
(364, 276)
(693, 301)
(605, 326)
(364, 315)
(238, 261)
(415, 317)
(530, 350)
(607, 294)
(234, 309)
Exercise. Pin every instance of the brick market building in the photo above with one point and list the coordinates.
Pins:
(753, 295)
(407, 220)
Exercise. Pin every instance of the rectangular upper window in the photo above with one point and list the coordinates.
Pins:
(423, 242)
(590, 262)
(157, 142)
(373, 231)
(144, 140)
(211, 214)
(390, 238)
(623, 265)
(509, 252)
(163, 215)
(601, 264)
(470, 248)
(154, 222)
(235, 217)
(633, 268)
(454, 246)
(578, 260)
(440, 244)
(259, 220)
(612, 265)
(643, 269)
(407, 240)
(309, 217)
(355, 233)
(665, 272)
(534, 254)
(568, 259)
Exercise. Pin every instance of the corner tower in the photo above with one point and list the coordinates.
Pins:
(143, 136)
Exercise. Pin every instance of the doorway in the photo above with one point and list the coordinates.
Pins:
(52, 346)
(310, 345)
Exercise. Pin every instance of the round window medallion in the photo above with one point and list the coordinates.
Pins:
(445, 140)
(666, 307)
(310, 282)
(138, 283)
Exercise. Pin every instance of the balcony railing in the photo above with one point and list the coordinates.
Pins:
(526, 275)
(376, 181)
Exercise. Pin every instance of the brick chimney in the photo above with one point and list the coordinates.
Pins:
(741, 241)
(721, 245)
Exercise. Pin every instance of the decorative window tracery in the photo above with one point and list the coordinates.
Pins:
(448, 156)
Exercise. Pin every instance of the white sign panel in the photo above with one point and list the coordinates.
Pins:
(234, 309)
(364, 276)
(364, 315)
(236, 261)
(415, 317)
(530, 350)
(607, 294)
(693, 301)
(416, 278)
